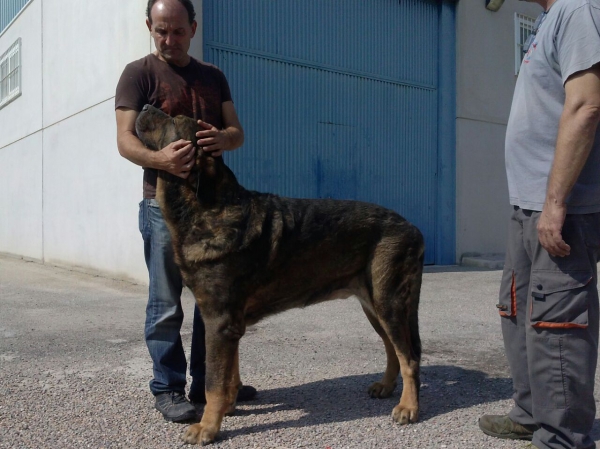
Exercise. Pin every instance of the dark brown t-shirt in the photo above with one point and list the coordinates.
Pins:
(197, 90)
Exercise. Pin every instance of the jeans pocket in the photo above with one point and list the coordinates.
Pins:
(141, 219)
(560, 299)
(590, 225)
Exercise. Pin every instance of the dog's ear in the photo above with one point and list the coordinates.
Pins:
(186, 128)
(155, 128)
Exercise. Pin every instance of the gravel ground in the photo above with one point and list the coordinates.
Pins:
(74, 369)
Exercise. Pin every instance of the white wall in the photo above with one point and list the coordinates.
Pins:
(72, 199)
(21, 144)
(91, 196)
(21, 215)
(86, 46)
(197, 42)
(23, 116)
(485, 84)
(90, 193)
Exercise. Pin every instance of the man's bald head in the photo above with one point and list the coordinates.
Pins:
(187, 4)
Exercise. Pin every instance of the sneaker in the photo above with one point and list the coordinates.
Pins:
(501, 426)
(196, 395)
(174, 407)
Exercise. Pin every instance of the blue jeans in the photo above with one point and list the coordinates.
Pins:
(164, 314)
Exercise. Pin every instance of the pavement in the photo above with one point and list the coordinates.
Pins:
(74, 368)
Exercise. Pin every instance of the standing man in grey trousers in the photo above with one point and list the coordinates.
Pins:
(548, 296)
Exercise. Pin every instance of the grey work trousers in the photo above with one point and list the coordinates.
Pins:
(549, 315)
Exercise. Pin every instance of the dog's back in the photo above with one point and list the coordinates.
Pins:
(279, 253)
(323, 249)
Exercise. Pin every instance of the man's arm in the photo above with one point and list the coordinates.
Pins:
(176, 158)
(576, 133)
(229, 138)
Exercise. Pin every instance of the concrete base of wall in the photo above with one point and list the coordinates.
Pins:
(494, 261)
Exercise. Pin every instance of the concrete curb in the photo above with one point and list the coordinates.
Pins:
(494, 261)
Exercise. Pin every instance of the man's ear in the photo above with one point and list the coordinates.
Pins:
(149, 25)
(194, 26)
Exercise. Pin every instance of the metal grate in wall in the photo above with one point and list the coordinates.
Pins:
(9, 10)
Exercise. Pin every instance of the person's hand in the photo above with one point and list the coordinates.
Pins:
(211, 139)
(178, 158)
(549, 229)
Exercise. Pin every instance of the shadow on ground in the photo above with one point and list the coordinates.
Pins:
(444, 389)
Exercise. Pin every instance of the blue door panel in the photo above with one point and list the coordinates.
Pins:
(338, 99)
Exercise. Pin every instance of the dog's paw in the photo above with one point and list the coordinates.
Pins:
(198, 434)
(380, 390)
(405, 415)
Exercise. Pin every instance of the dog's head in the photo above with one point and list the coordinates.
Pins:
(209, 176)
(156, 129)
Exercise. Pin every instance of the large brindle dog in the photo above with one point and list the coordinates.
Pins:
(246, 255)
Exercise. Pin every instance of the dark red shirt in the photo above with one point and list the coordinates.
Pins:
(197, 90)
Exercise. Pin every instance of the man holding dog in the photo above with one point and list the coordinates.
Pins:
(548, 296)
(175, 82)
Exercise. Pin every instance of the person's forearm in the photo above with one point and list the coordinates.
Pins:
(576, 133)
(132, 149)
(234, 138)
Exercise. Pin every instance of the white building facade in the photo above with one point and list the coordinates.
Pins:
(69, 199)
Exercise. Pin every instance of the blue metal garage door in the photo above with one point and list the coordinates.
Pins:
(341, 99)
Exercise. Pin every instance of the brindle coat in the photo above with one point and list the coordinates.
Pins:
(246, 255)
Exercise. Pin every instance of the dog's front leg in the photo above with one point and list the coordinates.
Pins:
(222, 340)
(235, 380)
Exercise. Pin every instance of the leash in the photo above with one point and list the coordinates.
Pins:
(198, 181)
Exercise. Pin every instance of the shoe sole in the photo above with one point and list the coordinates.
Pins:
(181, 418)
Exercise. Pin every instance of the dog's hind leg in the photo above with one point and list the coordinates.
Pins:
(396, 274)
(387, 385)
(403, 330)
(407, 410)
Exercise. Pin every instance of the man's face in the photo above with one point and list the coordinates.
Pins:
(171, 31)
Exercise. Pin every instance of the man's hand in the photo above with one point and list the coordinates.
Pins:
(211, 139)
(178, 158)
(549, 229)
(216, 141)
(576, 134)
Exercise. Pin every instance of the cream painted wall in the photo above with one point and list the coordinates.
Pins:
(86, 46)
(23, 116)
(90, 192)
(21, 214)
(485, 84)
(73, 198)
(91, 196)
(196, 48)
(76, 201)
